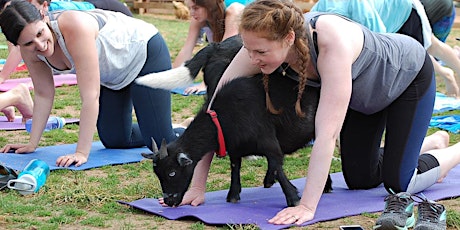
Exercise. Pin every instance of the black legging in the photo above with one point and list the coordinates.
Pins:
(413, 27)
(405, 121)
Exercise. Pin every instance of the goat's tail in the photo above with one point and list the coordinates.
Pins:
(169, 79)
(181, 76)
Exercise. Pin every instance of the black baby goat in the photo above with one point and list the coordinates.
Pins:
(248, 127)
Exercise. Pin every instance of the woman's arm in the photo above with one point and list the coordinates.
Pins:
(446, 53)
(336, 56)
(232, 18)
(42, 78)
(80, 31)
(240, 66)
(12, 61)
(338, 44)
(187, 50)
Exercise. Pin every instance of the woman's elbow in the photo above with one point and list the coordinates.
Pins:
(234, 9)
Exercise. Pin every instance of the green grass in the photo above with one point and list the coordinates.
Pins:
(88, 199)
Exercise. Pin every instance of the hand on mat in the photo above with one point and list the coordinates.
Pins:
(77, 158)
(20, 148)
(293, 215)
(193, 197)
(195, 89)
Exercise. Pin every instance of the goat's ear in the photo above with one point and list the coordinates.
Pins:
(148, 155)
(184, 160)
(153, 156)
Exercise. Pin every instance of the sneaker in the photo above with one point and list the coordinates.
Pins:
(431, 216)
(398, 213)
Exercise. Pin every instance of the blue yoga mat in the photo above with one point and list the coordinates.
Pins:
(444, 103)
(450, 123)
(99, 156)
(181, 90)
(259, 204)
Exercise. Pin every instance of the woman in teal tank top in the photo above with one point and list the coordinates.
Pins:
(405, 17)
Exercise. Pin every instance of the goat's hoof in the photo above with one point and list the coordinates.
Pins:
(233, 200)
(293, 201)
(328, 185)
(270, 179)
(233, 197)
(268, 185)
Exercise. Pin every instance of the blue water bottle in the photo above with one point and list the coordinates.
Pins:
(32, 178)
(53, 123)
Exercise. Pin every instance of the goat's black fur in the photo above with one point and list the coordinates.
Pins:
(249, 129)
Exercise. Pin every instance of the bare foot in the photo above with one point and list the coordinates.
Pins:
(24, 102)
(440, 179)
(437, 140)
(9, 113)
(448, 158)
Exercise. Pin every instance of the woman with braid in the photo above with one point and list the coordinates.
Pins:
(370, 83)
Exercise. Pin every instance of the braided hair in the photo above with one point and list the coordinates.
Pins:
(273, 20)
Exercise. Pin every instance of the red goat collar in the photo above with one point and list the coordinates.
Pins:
(220, 135)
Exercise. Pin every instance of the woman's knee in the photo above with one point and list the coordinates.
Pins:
(361, 181)
(112, 141)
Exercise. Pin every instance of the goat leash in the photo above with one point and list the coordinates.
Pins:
(220, 135)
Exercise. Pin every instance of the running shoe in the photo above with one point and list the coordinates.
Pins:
(398, 213)
(431, 216)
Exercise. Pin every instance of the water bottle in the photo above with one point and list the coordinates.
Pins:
(32, 178)
(53, 123)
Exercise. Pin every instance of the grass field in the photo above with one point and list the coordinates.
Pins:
(88, 199)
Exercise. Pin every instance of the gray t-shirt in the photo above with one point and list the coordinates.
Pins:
(121, 45)
(386, 66)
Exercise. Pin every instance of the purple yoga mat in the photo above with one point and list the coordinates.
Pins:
(59, 80)
(259, 204)
(18, 125)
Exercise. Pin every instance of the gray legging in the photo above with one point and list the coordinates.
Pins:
(152, 106)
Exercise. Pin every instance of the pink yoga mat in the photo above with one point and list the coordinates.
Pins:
(18, 125)
(59, 80)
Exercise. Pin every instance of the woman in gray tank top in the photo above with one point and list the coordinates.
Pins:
(107, 51)
(370, 82)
